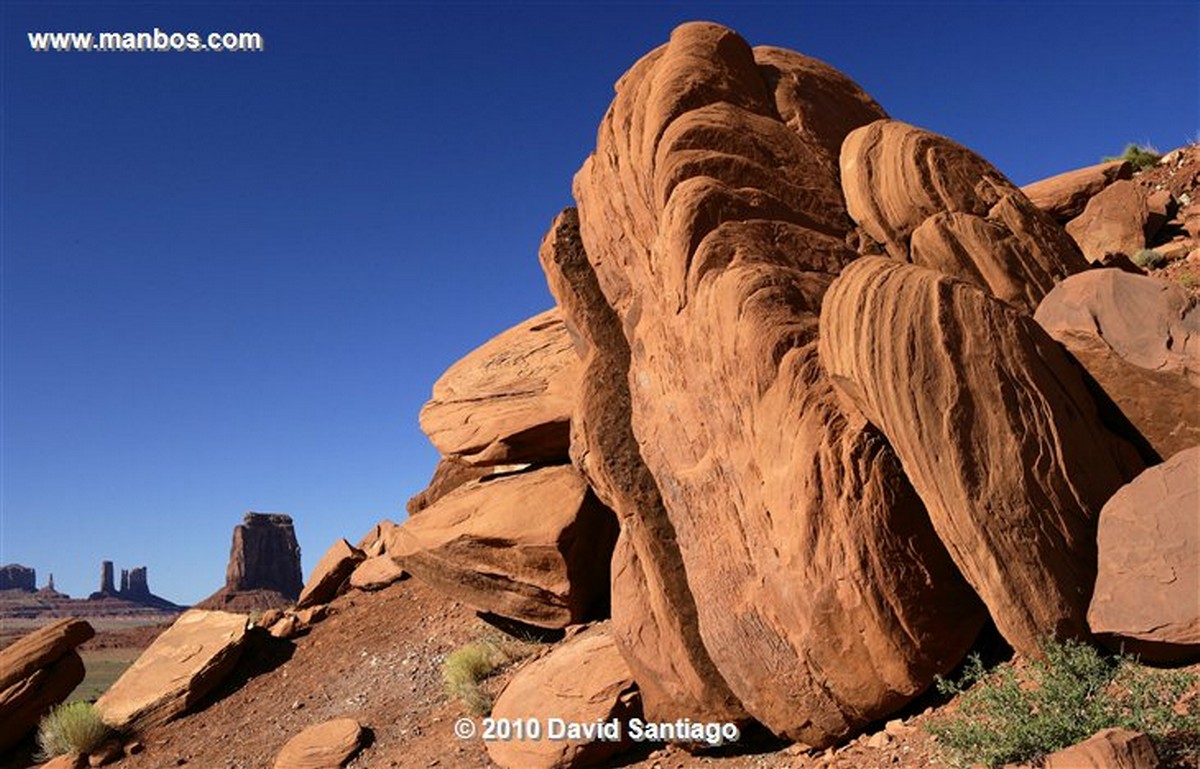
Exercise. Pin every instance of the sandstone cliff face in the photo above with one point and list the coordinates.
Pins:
(714, 229)
(14, 576)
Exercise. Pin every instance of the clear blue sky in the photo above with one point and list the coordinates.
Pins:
(230, 280)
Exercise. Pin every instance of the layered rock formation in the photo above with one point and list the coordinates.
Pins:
(37, 672)
(14, 576)
(264, 565)
(134, 588)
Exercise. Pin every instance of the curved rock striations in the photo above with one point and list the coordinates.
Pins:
(510, 400)
(654, 620)
(822, 593)
(936, 203)
(994, 426)
(1139, 339)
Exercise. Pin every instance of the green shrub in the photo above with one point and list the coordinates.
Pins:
(468, 666)
(1188, 280)
(1149, 259)
(1016, 716)
(73, 727)
(1139, 156)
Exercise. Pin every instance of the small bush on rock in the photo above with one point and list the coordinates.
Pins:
(468, 666)
(1149, 259)
(1018, 715)
(73, 727)
(1140, 157)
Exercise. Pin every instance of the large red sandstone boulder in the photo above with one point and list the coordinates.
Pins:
(823, 596)
(1113, 222)
(183, 664)
(584, 681)
(376, 573)
(328, 745)
(994, 426)
(509, 400)
(37, 672)
(654, 620)
(1106, 749)
(1139, 339)
(331, 574)
(936, 203)
(1147, 596)
(1064, 196)
(531, 546)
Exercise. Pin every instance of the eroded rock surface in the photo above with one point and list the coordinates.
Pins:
(584, 681)
(994, 426)
(182, 665)
(331, 574)
(510, 400)
(936, 203)
(1064, 195)
(822, 594)
(38, 671)
(1139, 339)
(533, 546)
(1147, 596)
(322, 746)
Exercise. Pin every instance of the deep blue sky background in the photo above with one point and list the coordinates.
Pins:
(230, 280)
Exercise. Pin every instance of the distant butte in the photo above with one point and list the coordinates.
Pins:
(264, 566)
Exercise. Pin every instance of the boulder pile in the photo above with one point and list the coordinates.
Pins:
(822, 393)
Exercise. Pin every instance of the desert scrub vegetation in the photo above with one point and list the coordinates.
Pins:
(1140, 156)
(467, 667)
(73, 727)
(1020, 713)
(1149, 259)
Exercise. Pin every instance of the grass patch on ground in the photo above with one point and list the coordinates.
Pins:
(467, 667)
(73, 727)
(1017, 714)
(103, 667)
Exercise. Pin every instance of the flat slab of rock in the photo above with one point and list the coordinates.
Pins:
(447, 476)
(1147, 595)
(583, 681)
(331, 574)
(376, 573)
(509, 400)
(532, 546)
(1113, 222)
(182, 665)
(1139, 339)
(1065, 195)
(1001, 438)
(323, 746)
(1107, 749)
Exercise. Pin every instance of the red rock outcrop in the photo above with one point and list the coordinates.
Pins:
(1000, 437)
(584, 681)
(1138, 337)
(508, 401)
(331, 575)
(38, 671)
(935, 203)
(1147, 594)
(533, 546)
(264, 566)
(1065, 195)
(823, 596)
(654, 621)
(1113, 222)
